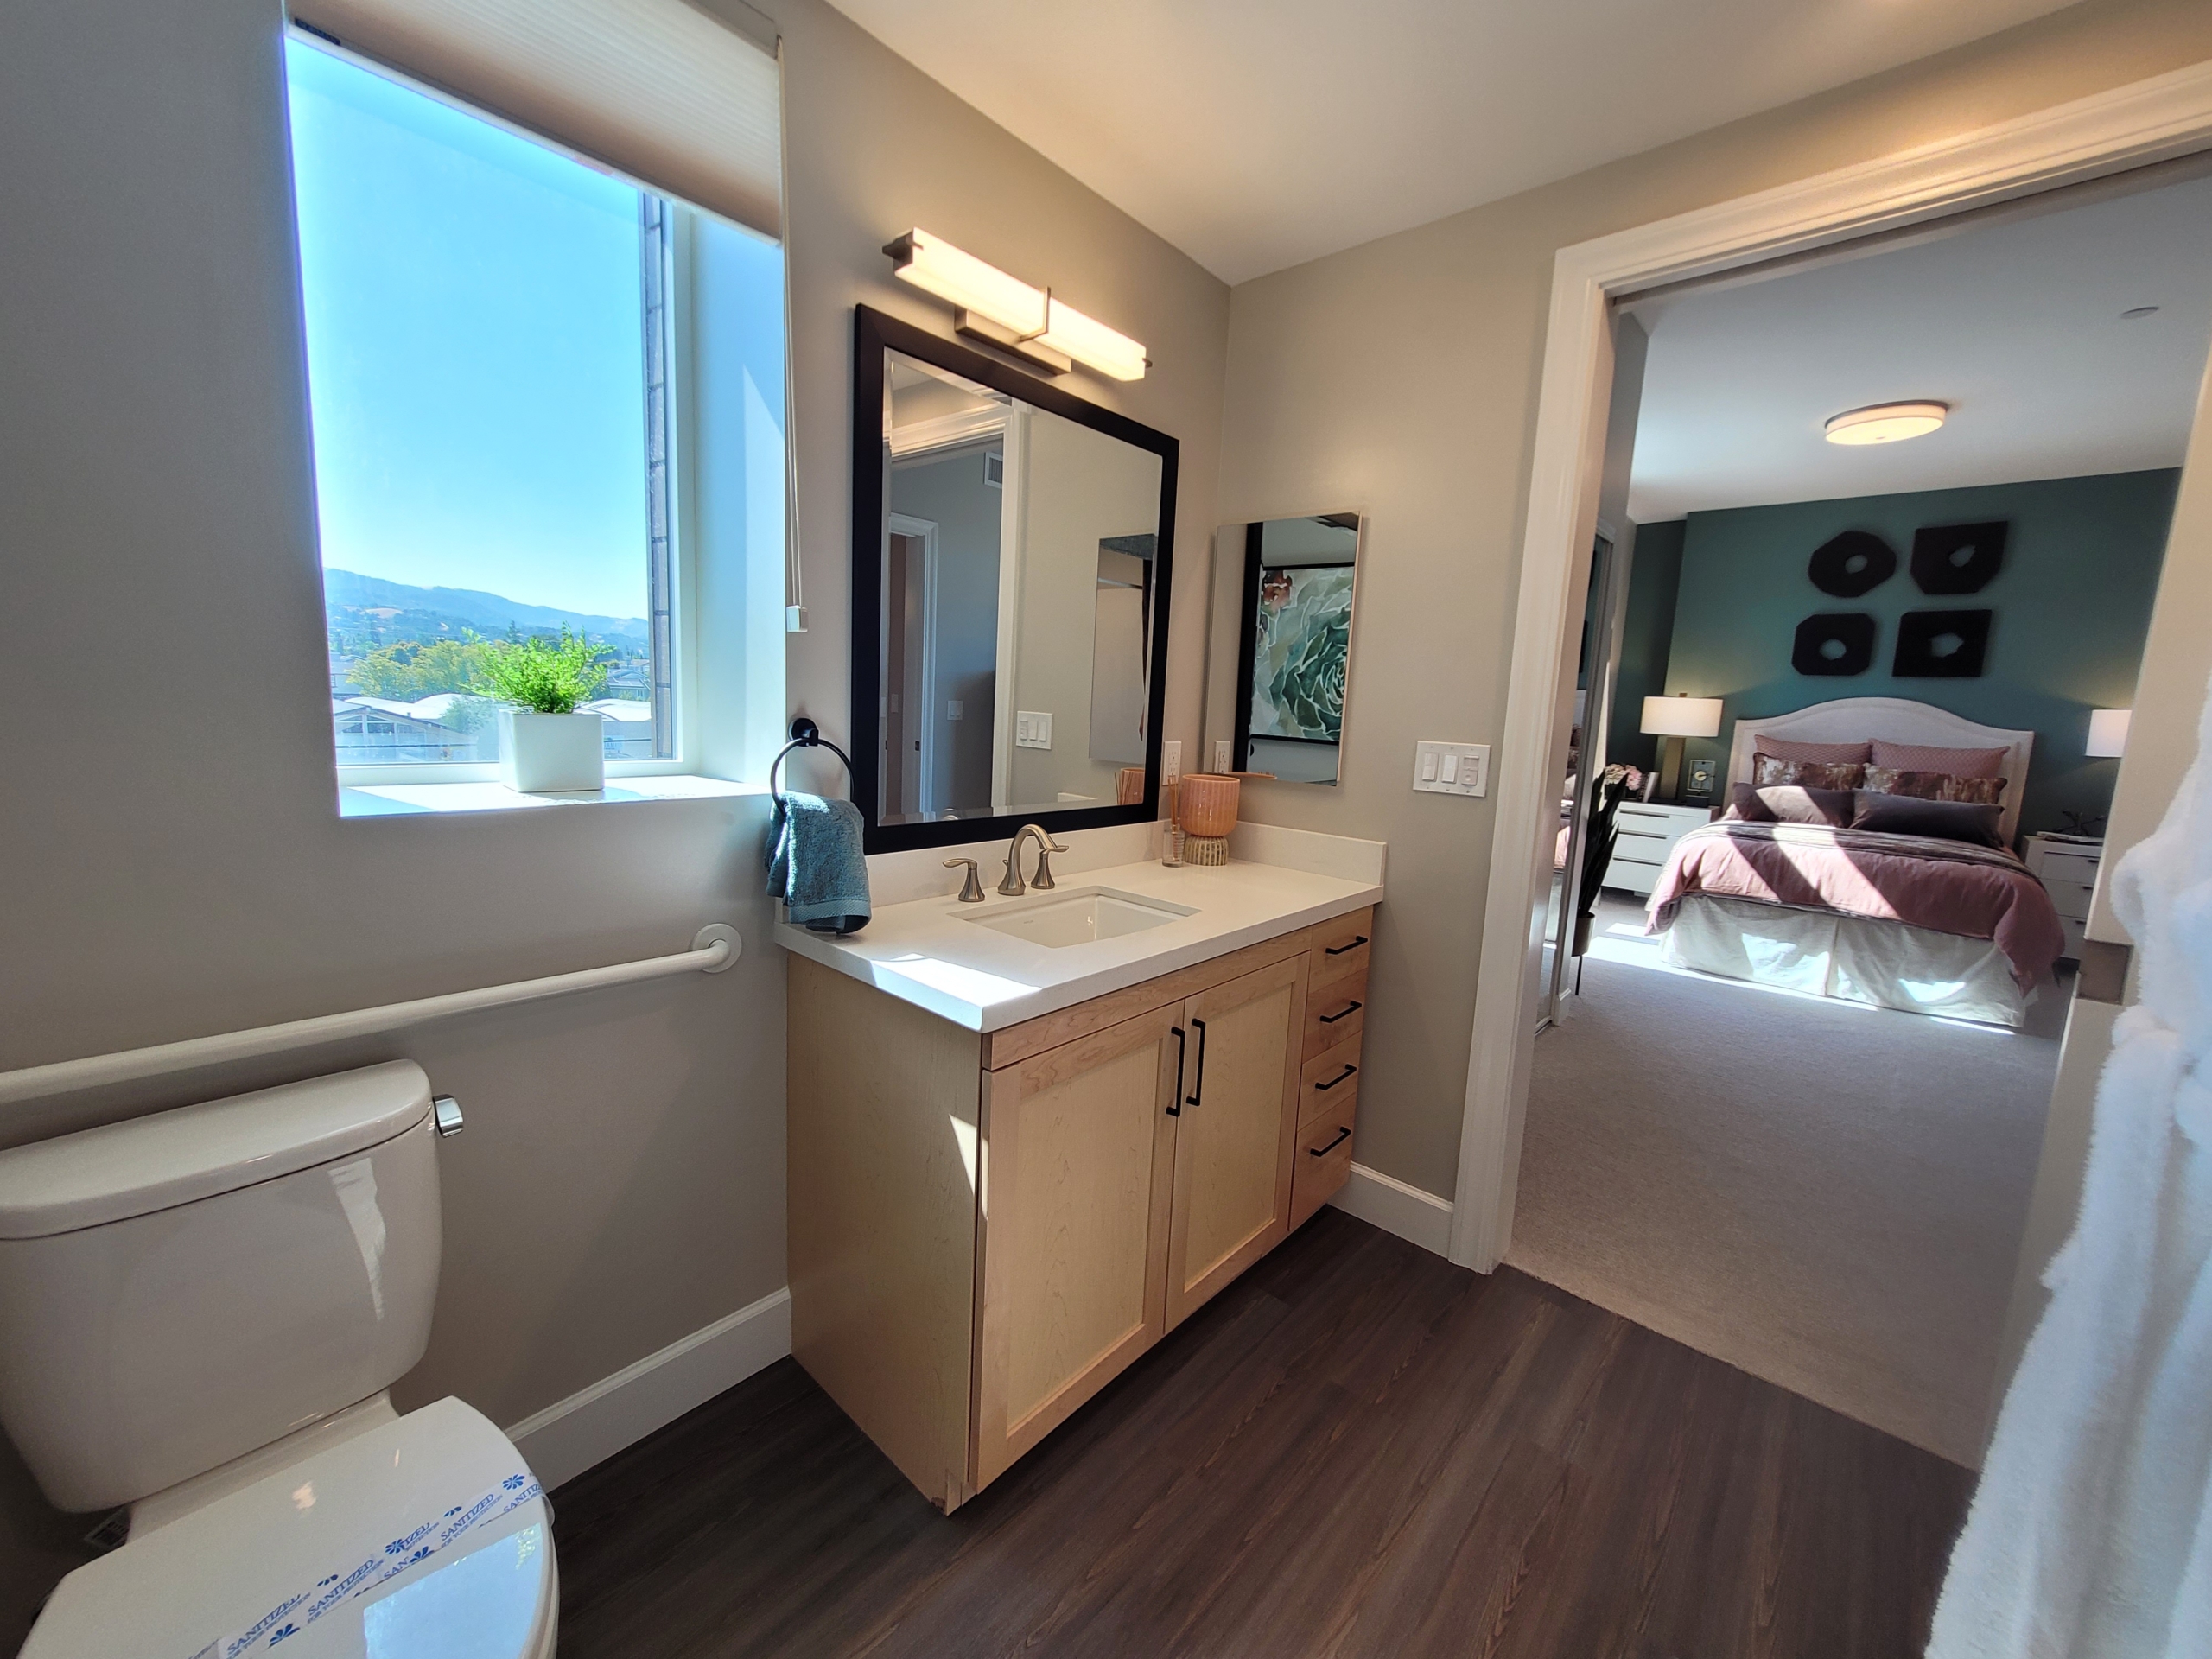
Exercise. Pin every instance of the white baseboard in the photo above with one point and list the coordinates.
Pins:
(1418, 1218)
(592, 1425)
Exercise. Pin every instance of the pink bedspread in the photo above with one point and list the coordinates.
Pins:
(1947, 886)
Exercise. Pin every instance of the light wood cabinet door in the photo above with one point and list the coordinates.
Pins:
(1077, 1166)
(1234, 1138)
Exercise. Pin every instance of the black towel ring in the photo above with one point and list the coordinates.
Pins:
(805, 735)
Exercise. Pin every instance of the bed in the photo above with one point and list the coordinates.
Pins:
(1919, 922)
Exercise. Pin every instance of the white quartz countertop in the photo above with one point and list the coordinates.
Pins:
(929, 952)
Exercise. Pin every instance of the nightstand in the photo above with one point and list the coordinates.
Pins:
(2068, 870)
(1649, 831)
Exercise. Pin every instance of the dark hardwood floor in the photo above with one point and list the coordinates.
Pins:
(1357, 1449)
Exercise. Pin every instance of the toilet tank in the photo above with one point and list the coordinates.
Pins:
(181, 1289)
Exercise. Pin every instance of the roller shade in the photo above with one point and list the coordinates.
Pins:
(681, 102)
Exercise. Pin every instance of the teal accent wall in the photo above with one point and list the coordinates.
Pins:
(2071, 604)
(1655, 573)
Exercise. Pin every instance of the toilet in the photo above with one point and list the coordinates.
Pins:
(200, 1313)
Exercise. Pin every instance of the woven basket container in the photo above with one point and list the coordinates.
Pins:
(1205, 849)
(1210, 803)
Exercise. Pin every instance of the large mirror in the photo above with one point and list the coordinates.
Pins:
(1011, 555)
(1296, 579)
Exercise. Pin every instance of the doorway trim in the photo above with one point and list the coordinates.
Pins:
(2135, 125)
(922, 534)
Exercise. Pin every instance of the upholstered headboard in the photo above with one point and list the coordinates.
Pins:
(1894, 719)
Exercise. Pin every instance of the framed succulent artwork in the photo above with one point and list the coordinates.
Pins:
(1302, 635)
(1295, 654)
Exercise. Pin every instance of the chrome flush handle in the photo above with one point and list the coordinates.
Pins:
(445, 1114)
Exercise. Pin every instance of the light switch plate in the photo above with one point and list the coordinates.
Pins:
(1032, 730)
(1221, 754)
(955, 707)
(1451, 768)
(1171, 760)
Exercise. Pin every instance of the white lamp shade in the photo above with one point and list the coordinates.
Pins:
(2107, 732)
(1682, 716)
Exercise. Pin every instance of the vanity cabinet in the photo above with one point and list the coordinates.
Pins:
(986, 1230)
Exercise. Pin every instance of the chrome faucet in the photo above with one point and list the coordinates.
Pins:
(1012, 886)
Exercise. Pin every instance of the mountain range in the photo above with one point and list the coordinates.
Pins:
(490, 615)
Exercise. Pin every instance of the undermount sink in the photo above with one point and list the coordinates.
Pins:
(1080, 917)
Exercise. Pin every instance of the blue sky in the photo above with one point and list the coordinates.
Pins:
(474, 348)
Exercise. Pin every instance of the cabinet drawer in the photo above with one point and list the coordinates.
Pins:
(1340, 953)
(2069, 898)
(1338, 1014)
(2069, 867)
(1331, 1080)
(1324, 1161)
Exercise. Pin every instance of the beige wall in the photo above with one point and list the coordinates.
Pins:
(170, 863)
(1399, 378)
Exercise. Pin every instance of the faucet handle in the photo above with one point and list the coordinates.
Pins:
(1045, 848)
(971, 890)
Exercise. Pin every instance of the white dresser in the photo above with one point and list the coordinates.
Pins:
(1649, 831)
(2068, 870)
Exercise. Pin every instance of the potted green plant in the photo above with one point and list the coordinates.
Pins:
(546, 746)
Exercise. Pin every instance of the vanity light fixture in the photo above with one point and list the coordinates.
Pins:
(1886, 423)
(1004, 311)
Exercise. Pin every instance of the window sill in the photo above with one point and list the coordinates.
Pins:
(402, 800)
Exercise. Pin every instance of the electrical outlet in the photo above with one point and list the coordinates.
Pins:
(1171, 760)
(1033, 730)
(1451, 768)
(1221, 754)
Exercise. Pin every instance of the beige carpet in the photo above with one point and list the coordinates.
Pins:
(1827, 1197)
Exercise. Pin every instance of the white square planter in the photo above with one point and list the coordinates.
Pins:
(551, 754)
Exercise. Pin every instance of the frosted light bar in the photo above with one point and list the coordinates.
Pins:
(1886, 423)
(934, 265)
(1007, 313)
(1091, 342)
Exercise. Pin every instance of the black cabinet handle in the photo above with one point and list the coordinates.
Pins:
(1358, 940)
(1330, 1084)
(1341, 1014)
(1323, 1152)
(1200, 1088)
(1174, 1101)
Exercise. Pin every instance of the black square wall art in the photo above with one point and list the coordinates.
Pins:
(1957, 558)
(1855, 562)
(1941, 644)
(1834, 642)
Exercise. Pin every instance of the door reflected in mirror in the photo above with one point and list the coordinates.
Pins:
(1020, 600)
(1294, 645)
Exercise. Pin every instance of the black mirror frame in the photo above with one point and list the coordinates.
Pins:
(873, 333)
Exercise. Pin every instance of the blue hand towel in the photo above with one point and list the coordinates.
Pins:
(814, 863)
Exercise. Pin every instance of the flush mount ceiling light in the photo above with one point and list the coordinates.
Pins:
(1004, 311)
(1886, 423)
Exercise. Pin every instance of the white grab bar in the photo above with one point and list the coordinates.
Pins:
(715, 948)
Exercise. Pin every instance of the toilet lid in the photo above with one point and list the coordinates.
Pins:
(427, 1536)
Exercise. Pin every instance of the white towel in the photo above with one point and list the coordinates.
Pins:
(2091, 1533)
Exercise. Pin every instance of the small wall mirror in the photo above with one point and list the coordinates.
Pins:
(1294, 659)
(1011, 559)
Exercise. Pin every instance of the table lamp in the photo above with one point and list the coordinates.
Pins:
(2108, 733)
(1674, 719)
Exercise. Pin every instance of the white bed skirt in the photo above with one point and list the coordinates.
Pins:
(1855, 958)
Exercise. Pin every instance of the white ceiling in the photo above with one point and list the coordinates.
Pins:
(2016, 325)
(1257, 134)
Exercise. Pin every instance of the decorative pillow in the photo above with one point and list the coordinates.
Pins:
(1768, 770)
(1828, 753)
(1909, 815)
(1794, 804)
(1922, 757)
(1744, 806)
(1933, 786)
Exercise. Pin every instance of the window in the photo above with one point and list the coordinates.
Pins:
(515, 359)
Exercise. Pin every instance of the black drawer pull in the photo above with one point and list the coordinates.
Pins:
(1341, 1014)
(1175, 1100)
(1358, 939)
(1323, 1152)
(1199, 1087)
(1338, 1078)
